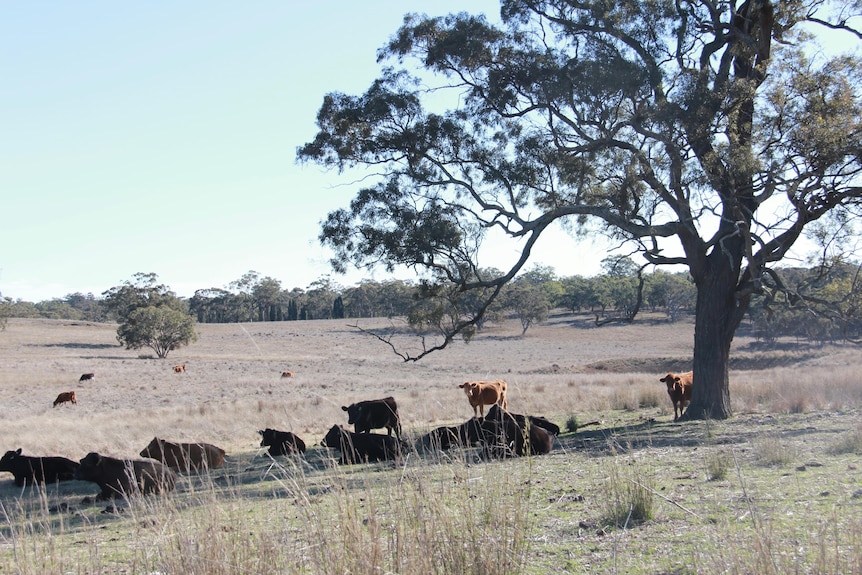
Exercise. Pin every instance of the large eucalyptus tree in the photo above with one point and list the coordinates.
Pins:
(702, 133)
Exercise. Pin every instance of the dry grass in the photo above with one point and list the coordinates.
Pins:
(772, 490)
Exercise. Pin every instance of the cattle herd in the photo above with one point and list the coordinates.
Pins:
(498, 434)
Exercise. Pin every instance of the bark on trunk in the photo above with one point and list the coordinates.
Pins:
(715, 324)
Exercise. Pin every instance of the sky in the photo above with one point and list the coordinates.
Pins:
(161, 137)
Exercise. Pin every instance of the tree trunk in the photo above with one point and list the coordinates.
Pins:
(717, 318)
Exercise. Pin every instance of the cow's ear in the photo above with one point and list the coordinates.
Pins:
(18, 451)
(344, 408)
(260, 431)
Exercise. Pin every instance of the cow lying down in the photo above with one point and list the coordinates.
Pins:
(500, 434)
(184, 456)
(361, 447)
(123, 477)
(281, 442)
(31, 470)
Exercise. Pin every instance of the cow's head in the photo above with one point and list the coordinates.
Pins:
(10, 456)
(333, 437)
(354, 412)
(469, 387)
(267, 437)
(155, 449)
(671, 380)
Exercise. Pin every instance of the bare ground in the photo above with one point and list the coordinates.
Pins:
(232, 386)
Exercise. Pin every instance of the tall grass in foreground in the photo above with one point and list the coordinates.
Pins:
(359, 520)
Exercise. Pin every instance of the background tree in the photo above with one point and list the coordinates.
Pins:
(338, 308)
(142, 291)
(160, 327)
(150, 315)
(5, 311)
(528, 301)
(705, 133)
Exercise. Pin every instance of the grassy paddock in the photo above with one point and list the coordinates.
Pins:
(775, 489)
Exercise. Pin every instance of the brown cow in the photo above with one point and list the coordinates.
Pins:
(65, 396)
(482, 393)
(185, 456)
(679, 389)
(180, 368)
(286, 374)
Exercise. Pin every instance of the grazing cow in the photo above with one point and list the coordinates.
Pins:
(286, 374)
(87, 377)
(281, 442)
(185, 456)
(679, 389)
(66, 396)
(124, 477)
(30, 470)
(180, 368)
(482, 393)
(361, 447)
(374, 414)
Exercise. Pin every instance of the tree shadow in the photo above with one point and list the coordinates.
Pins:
(76, 345)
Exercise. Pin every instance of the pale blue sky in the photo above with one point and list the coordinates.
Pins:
(161, 137)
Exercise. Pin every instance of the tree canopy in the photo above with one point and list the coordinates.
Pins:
(703, 133)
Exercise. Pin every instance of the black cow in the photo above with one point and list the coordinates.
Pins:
(115, 476)
(464, 435)
(374, 414)
(30, 470)
(507, 434)
(281, 442)
(361, 447)
(87, 376)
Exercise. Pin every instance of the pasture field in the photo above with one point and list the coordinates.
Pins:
(775, 489)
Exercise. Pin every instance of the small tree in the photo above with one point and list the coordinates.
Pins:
(528, 301)
(161, 328)
(5, 310)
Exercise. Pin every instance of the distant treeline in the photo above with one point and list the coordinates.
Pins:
(812, 303)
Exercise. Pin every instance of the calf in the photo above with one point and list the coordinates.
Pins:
(185, 456)
(31, 470)
(281, 442)
(286, 374)
(679, 387)
(125, 477)
(180, 368)
(66, 396)
(482, 393)
(87, 377)
(361, 447)
(374, 414)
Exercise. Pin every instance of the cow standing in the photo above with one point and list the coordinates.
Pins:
(31, 470)
(482, 393)
(374, 414)
(87, 377)
(125, 477)
(679, 386)
(185, 456)
(66, 396)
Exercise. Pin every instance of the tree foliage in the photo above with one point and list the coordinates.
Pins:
(702, 133)
(159, 327)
